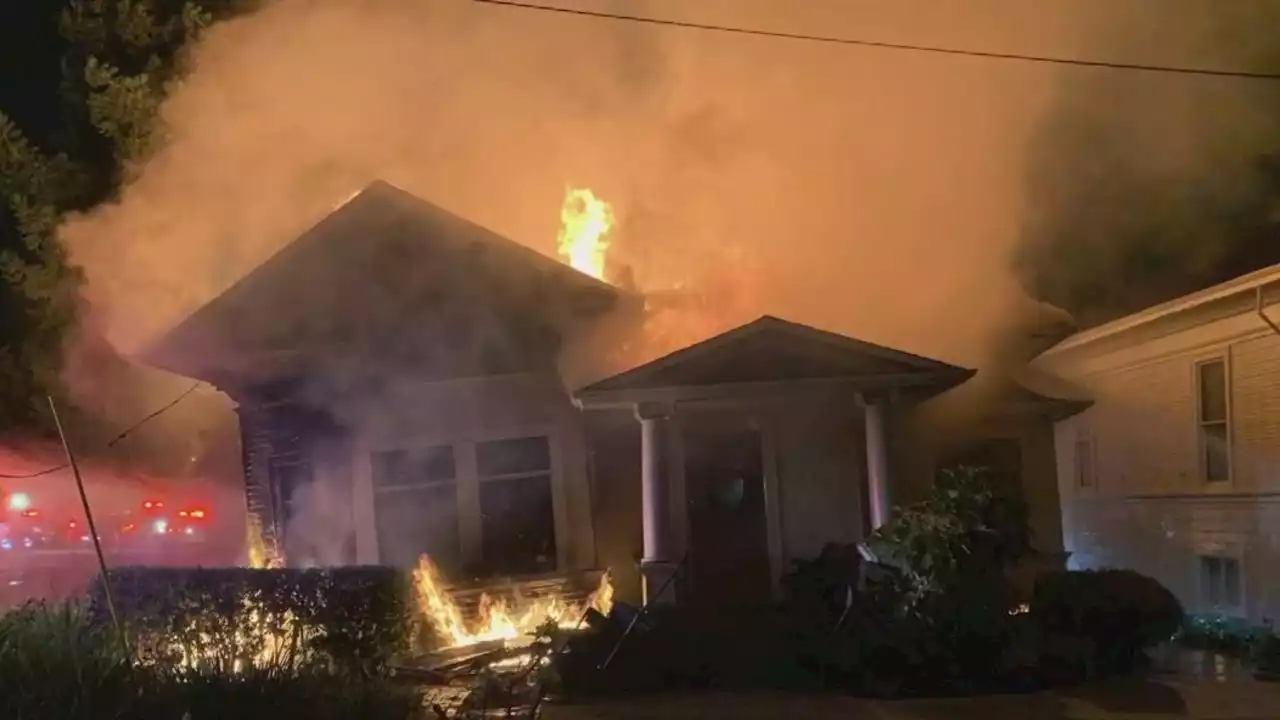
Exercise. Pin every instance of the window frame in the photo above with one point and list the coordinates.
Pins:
(1205, 562)
(549, 472)
(1201, 444)
(432, 485)
(467, 485)
(1084, 438)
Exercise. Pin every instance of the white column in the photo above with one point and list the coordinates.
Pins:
(656, 566)
(874, 411)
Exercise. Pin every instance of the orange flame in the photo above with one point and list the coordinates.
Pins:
(496, 620)
(585, 222)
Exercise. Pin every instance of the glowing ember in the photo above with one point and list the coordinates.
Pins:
(496, 620)
(585, 222)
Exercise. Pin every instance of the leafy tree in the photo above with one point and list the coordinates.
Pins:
(118, 60)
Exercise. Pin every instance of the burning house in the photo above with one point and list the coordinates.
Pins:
(395, 370)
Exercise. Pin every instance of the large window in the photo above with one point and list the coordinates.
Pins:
(416, 505)
(1214, 422)
(517, 523)
(1220, 582)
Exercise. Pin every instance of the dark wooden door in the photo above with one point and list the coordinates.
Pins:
(728, 539)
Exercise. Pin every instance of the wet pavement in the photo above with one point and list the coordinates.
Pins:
(1191, 686)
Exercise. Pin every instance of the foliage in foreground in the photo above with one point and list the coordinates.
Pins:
(354, 619)
(939, 618)
(1116, 614)
(55, 663)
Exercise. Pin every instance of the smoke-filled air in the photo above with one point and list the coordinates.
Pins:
(871, 192)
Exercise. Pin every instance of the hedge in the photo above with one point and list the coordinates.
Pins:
(226, 619)
(1120, 613)
(55, 663)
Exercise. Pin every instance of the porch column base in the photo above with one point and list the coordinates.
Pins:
(660, 576)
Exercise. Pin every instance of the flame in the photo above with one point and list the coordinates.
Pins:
(496, 620)
(260, 555)
(585, 222)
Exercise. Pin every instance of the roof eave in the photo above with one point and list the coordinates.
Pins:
(920, 385)
(1245, 286)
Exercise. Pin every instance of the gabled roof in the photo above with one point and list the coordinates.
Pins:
(771, 351)
(384, 251)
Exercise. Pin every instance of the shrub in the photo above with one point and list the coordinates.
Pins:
(56, 662)
(230, 619)
(1221, 633)
(1117, 614)
(1264, 653)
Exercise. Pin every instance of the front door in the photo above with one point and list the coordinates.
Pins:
(728, 539)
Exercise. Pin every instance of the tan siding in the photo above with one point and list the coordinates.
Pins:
(1150, 510)
(1143, 426)
(1255, 371)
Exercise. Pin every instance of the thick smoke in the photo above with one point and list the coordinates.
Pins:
(875, 193)
(1142, 187)
(865, 191)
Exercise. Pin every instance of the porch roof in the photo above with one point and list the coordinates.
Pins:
(773, 355)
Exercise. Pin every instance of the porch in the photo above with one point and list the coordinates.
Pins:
(758, 446)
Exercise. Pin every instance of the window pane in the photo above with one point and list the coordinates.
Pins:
(1217, 460)
(1213, 391)
(421, 520)
(400, 468)
(1231, 582)
(1211, 580)
(1084, 463)
(519, 455)
(517, 526)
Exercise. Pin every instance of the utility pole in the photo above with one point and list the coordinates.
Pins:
(93, 528)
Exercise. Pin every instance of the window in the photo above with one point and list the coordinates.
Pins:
(416, 506)
(517, 523)
(1084, 460)
(1220, 582)
(1214, 431)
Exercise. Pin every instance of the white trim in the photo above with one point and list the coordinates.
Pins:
(467, 481)
(363, 512)
(1229, 554)
(1245, 284)
(772, 502)
(1083, 433)
(1202, 470)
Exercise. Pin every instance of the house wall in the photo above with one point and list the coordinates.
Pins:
(461, 414)
(1145, 504)
(815, 476)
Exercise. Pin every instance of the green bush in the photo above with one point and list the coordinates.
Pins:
(1221, 633)
(229, 619)
(57, 663)
(1111, 616)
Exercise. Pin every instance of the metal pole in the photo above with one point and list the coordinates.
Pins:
(93, 529)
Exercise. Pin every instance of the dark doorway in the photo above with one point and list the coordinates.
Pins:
(728, 539)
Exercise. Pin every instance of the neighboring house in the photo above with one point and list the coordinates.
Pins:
(1175, 469)
(395, 372)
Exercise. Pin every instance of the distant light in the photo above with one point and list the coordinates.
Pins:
(161, 527)
(6, 544)
(19, 502)
(30, 513)
(198, 514)
(190, 531)
(27, 542)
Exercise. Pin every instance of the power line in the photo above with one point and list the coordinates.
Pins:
(1043, 59)
(111, 443)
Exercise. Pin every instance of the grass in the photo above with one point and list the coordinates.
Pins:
(56, 665)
